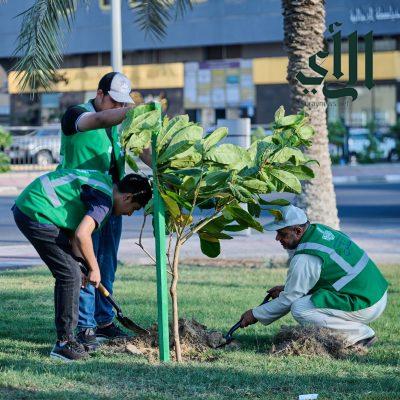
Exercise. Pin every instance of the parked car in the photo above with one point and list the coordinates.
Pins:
(40, 146)
(359, 140)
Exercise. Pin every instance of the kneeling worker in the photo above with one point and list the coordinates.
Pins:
(331, 282)
(61, 209)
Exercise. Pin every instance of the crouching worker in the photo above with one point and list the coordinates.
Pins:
(64, 207)
(331, 282)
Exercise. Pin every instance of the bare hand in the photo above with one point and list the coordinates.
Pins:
(247, 319)
(274, 292)
(94, 278)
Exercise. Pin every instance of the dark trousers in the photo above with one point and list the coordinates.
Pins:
(53, 247)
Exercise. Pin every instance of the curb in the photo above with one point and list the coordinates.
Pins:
(367, 179)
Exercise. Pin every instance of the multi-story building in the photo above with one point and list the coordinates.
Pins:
(225, 58)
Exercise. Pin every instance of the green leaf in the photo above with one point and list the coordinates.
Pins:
(244, 218)
(213, 138)
(209, 246)
(215, 234)
(306, 132)
(171, 179)
(301, 171)
(290, 120)
(279, 113)
(131, 162)
(174, 125)
(254, 210)
(286, 154)
(189, 172)
(179, 199)
(277, 202)
(173, 151)
(235, 228)
(289, 180)
(172, 206)
(240, 193)
(215, 178)
(277, 214)
(257, 185)
(235, 157)
(148, 209)
(139, 142)
(190, 133)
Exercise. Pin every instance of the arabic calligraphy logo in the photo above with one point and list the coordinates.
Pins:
(334, 93)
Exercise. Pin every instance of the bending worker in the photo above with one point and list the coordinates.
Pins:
(331, 282)
(62, 209)
(90, 140)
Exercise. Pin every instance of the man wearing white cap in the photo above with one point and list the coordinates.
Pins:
(90, 141)
(331, 282)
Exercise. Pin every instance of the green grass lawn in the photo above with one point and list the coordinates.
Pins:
(215, 297)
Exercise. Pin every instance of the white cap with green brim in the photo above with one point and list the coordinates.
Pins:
(286, 216)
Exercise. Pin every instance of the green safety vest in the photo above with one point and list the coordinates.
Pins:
(349, 279)
(56, 196)
(92, 149)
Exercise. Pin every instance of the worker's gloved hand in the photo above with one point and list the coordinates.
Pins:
(274, 292)
(247, 319)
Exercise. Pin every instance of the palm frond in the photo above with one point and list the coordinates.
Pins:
(181, 7)
(39, 41)
(152, 17)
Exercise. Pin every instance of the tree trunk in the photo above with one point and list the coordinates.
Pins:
(174, 297)
(304, 25)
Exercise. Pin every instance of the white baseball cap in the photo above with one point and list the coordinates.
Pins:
(286, 216)
(118, 86)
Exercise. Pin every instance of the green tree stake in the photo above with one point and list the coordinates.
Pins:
(159, 230)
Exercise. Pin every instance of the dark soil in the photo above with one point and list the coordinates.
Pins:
(197, 343)
(312, 341)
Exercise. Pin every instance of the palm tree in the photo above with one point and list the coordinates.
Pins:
(304, 25)
(39, 40)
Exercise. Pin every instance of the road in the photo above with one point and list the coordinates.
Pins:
(363, 207)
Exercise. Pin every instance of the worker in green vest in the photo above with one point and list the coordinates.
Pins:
(331, 282)
(61, 210)
(90, 141)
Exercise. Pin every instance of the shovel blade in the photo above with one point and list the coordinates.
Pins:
(132, 326)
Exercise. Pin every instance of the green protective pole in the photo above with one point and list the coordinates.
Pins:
(161, 257)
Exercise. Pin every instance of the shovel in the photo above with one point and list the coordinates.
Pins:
(125, 321)
(229, 336)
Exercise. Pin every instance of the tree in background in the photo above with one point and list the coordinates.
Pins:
(304, 26)
(5, 141)
(337, 137)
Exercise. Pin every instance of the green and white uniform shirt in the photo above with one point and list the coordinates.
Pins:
(55, 197)
(349, 280)
(98, 149)
(331, 268)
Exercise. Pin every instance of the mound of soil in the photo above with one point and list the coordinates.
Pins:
(312, 341)
(197, 342)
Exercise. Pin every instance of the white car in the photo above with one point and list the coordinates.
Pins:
(358, 141)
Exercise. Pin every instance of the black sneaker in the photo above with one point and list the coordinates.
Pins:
(110, 332)
(87, 337)
(70, 351)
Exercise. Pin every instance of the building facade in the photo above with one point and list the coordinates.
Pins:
(224, 59)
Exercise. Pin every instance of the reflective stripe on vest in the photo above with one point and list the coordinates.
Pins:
(49, 186)
(351, 272)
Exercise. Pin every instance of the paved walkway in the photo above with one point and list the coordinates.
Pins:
(256, 248)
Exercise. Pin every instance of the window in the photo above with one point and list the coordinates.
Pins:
(105, 4)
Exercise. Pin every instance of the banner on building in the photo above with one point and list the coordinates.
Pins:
(219, 84)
